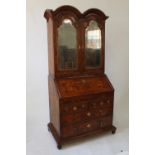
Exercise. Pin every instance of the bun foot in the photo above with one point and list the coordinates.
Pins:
(59, 146)
(48, 128)
(113, 130)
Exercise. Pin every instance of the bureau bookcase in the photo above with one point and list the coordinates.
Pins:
(80, 94)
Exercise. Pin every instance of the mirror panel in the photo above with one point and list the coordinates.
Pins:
(93, 45)
(67, 45)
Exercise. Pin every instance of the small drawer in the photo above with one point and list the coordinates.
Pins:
(74, 107)
(80, 128)
(77, 117)
(101, 104)
(87, 126)
(94, 125)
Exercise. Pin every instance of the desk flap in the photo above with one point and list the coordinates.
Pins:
(83, 86)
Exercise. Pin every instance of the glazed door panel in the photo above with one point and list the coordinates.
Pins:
(93, 44)
(67, 44)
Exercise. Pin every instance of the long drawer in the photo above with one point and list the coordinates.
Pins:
(87, 115)
(88, 126)
(69, 107)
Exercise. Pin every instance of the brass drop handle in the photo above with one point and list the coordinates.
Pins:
(88, 114)
(74, 108)
(88, 125)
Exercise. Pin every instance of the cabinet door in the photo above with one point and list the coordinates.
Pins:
(66, 28)
(92, 45)
(67, 46)
(93, 41)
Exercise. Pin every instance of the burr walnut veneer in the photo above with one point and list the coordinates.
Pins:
(80, 94)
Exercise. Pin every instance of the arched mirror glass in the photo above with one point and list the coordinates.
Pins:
(67, 45)
(93, 45)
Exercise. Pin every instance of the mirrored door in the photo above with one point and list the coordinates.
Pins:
(92, 45)
(67, 46)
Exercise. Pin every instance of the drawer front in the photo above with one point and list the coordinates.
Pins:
(88, 126)
(85, 116)
(102, 102)
(70, 107)
(74, 107)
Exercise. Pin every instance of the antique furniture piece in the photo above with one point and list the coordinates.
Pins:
(80, 94)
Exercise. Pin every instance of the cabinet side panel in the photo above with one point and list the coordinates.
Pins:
(54, 105)
(50, 47)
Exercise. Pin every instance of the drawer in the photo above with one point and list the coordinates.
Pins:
(101, 103)
(88, 126)
(94, 125)
(84, 116)
(79, 128)
(74, 107)
(80, 106)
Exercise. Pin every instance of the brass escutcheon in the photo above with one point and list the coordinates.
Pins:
(88, 125)
(88, 114)
(74, 108)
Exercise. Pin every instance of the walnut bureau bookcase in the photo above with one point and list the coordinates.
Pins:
(80, 94)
